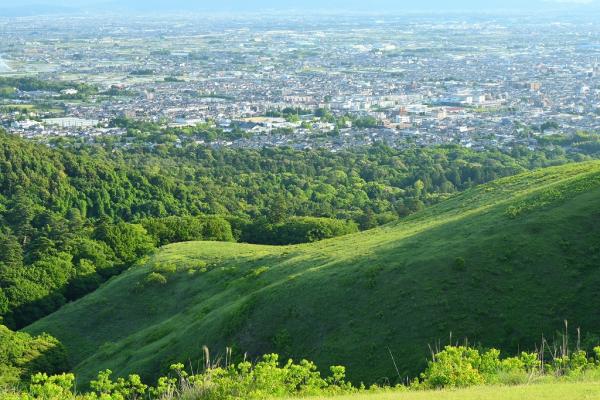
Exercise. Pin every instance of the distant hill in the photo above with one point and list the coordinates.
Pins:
(33, 9)
(40, 7)
(500, 264)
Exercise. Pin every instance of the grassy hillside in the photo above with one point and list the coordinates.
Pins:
(555, 391)
(500, 264)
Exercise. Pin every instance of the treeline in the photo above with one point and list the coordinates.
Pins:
(294, 230)
(157, 133)
(580, 142)
(150, 132)
(71, 217)
(9, 86)
(370, 185)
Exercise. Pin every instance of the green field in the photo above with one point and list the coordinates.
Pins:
(500, 264)
(555, 391)
(24, 107)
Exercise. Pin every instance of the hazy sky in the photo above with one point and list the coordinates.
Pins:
(346, 5)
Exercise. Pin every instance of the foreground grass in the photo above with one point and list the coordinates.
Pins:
(550, 391)
(501, 264)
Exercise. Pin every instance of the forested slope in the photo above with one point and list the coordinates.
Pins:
(73, 215)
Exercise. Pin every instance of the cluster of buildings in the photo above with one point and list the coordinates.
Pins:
(475, 81)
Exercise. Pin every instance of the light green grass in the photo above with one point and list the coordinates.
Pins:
(555, 391)
(531, 251)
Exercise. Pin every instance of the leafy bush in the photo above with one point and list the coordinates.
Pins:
(255, 273)
(452, 367)
(130, 388)
(154, 278)
(164, 268)
(459, 264)
(22, 355)
(465, 366)
(247, 381)
(51, 387)
(243, 381)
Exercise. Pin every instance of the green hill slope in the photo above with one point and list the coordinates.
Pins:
(500, 264)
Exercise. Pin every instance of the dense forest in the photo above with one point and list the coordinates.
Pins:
(73, 216)
(10, 86)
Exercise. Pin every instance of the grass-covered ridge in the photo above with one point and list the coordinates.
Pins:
(501, 264)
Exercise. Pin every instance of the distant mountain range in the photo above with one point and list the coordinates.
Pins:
(41, 7)
(34, 9)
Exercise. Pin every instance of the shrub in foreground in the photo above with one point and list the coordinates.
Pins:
(461, 366)
(452, 367)
(244, 381)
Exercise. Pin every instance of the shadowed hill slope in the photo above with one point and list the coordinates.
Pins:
(501, 264)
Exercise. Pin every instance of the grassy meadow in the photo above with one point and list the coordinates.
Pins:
(501, 265)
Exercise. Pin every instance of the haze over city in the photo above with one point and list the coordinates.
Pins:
(384, 6)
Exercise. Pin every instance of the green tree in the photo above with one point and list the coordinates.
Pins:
(128, 241)
(22, 355)
(11, 253)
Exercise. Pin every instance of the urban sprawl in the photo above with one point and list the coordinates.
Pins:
(304, 82)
